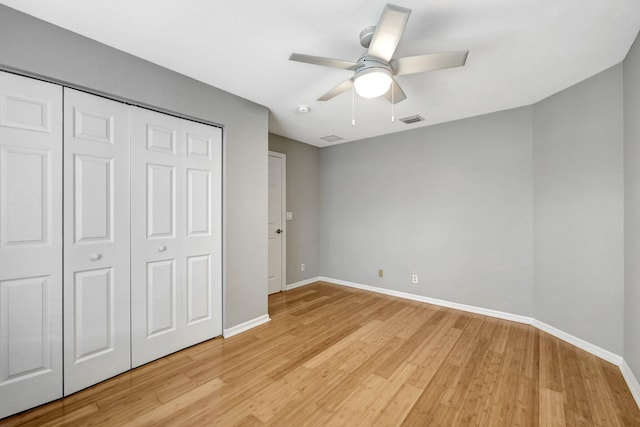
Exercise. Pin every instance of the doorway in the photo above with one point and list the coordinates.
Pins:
(276, 223)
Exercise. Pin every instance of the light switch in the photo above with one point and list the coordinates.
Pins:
(289, 216)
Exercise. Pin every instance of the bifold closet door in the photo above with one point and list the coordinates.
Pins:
(30, 243)
(176, 199)
(96, 240)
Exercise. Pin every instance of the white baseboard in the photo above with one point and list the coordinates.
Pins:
(579, 342)
(632, 381)
(301, 283)
(469, 308)
(245, 326)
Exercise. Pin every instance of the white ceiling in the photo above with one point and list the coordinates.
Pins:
(520, 51)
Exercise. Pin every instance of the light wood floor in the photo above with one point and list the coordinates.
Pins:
(339, 356)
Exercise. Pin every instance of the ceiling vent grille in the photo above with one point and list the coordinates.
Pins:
(331, 138)
(412, 119)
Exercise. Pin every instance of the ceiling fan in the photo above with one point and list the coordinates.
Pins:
(375, 70)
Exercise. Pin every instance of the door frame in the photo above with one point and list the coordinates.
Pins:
(283, 210)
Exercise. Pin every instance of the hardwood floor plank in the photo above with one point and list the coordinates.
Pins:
(340, 356)
(367, 415)
(315, 385)
(357, 400)
(621, 395)
(336, 395)
(431, 405)
(603, 410)
(503, 401)
(550, 375)
(577, 409)
(527, 394)
(551, 408)
(476, 406)
(340, 345)
(187, 399)
(397, 409)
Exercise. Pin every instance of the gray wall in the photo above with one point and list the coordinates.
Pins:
(519, 211)
(451, 203)
(39, 48)
(303, 199)
(578, 210)
(632, 208)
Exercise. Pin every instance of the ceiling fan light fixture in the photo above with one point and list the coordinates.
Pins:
(372, 82)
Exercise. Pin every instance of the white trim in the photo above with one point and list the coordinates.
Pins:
(470, 308)
(632, 381)
(579, 342)
(301, 283)
(245, 326)
(283, 211)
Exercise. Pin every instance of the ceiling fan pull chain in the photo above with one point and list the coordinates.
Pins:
(353, 106)
(393, 117)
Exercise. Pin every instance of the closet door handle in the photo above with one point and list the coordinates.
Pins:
(162, 248)
(95, 257)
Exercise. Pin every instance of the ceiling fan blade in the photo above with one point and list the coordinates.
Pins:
(327, 62)
(342, 87)
(398, 93)
(388, 31)
(430, 62)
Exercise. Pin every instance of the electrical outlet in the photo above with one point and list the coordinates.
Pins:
(414, 279)
(302, 267)
(381, 273)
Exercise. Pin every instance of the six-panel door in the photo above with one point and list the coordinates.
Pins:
(176, 258)
(139, 283)
(30, 243)
(97, 325)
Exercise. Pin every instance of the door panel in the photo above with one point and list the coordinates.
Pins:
(30, 243)
(96, 269)
(198, 288)
(93, 195)
(198, 202)
(94, 323)
(161, 298)
(161, 201)
(176, 242)
(24, 199)
(26, 351)
(90, 125)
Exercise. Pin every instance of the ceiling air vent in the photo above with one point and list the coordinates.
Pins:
(331, 138)
(412, 119)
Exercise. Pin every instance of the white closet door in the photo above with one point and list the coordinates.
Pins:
(96, 241)
(176, 234)
(30, 243)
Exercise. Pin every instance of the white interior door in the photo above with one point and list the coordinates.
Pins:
(96, 242)
(30, 243)
(276, 276)
(176, 262)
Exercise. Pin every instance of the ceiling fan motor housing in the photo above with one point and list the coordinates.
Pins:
(366, 62)
(366, 35)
